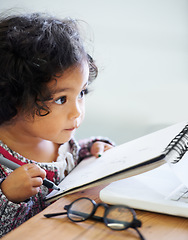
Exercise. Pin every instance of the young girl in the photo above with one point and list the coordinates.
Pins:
(44, 77)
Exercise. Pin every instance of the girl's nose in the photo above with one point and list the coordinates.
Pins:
(75, 111)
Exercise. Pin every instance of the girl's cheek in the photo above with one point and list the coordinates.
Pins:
(81, 119)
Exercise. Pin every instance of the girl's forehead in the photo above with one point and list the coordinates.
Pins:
(73, 76)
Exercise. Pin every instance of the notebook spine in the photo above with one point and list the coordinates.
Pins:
(179, 144)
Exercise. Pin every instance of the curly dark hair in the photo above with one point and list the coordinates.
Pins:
(34, 49)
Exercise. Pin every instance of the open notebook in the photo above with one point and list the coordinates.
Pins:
(160, 190)
(168, 145)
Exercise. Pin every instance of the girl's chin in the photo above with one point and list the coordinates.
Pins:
(66, 138)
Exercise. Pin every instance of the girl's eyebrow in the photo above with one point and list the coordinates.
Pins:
(59, 90)
(85, 85)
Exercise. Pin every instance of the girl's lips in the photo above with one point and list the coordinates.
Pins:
(70, 129)
(73, 128)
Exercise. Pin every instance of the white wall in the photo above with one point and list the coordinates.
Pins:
(141, 47)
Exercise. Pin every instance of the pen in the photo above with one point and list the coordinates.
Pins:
(6, 162)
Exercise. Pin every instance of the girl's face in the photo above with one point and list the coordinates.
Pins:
(67, 108)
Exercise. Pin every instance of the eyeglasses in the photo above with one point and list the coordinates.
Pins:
(117, 217)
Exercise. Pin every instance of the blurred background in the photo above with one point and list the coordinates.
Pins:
(141, 49)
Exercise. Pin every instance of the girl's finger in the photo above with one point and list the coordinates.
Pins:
(36, 181)
(35, 171)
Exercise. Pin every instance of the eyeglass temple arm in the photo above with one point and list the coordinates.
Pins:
(139, 233)
(137, 223)
(54, 214)
(73, 212)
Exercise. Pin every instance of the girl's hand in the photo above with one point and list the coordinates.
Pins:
(23, 182)
(99, 147)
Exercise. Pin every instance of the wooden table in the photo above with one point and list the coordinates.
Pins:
(154, 226)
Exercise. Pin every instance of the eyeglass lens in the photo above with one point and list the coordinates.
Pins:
(118, 218)
(80, 210)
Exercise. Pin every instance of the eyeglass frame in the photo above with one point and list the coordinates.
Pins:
(134, 224)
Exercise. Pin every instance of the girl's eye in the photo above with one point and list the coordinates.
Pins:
(61, 100)
(83, 93)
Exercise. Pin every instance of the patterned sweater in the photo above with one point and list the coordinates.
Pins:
(69, 155)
